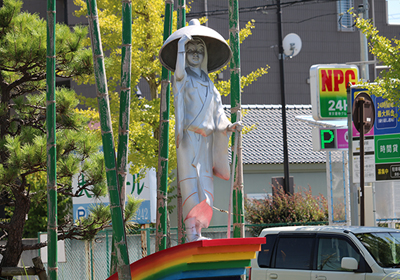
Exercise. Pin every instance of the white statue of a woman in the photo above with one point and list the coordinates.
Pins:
(202, 132)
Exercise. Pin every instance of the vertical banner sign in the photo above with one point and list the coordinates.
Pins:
(328, 84)
(382, 143)
(369, 147)
(387, 140)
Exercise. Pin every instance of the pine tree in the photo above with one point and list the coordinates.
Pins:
(23, 155)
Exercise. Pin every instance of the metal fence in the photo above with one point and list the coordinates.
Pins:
(90, 260)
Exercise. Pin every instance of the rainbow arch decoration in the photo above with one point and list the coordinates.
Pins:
(204, 259)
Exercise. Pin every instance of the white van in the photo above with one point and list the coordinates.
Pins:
(328, 253)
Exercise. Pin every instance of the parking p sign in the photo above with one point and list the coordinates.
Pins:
(328, 88)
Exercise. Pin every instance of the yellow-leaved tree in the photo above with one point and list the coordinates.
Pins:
(386, 51)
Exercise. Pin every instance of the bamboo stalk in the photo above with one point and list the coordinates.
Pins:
(51, 141)
(119, 235)
(181, 12)
(124, 110)
(237, 199)
(181, 22)
(233, 171)
(162, 174)
(125, 97)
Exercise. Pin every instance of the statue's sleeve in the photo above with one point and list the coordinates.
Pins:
(179, 88)
(180, 77)
(221, 140)
(220, 118)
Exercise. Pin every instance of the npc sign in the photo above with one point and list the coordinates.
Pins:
(145, 189)
(328, 88)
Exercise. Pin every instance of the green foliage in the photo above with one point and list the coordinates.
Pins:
(37, 216)
(147, 39)
(23, 140)
(224, 87)
(100, 218)
(23, 50)
(9, 10)
(131, 208)
(301, 206)
(387, 52)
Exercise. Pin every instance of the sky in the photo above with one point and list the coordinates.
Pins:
(393, 11)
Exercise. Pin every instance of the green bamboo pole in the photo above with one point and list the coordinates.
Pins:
(237, 199)
(119, 235)
(51, 141)
(181, 22)
(125, 96)
(181, 13)
(124, 110)
(162, 174)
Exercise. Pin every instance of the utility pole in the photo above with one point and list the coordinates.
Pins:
(363, 13)
(283, 101)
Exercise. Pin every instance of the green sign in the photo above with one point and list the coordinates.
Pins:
(387, 148)
(327, 139)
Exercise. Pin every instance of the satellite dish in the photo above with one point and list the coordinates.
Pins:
(291, 45)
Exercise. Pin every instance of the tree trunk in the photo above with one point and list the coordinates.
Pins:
(13, 250)
(4, 116)
(153, 90)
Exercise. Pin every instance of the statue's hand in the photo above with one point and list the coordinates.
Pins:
(184, 39)
(235, 127)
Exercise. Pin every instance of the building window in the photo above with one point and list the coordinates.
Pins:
(345, 20)
(393, 12)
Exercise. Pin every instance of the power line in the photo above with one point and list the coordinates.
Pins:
(297, 22)
(256, 8)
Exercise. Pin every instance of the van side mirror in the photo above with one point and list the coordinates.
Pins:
(349, 263)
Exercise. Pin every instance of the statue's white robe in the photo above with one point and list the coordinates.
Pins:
(203, 150)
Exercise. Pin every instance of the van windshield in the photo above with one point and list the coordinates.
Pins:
(383, 246)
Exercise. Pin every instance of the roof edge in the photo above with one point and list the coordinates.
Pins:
(271, 106)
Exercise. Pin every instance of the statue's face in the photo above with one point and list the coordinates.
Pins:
(194, 53)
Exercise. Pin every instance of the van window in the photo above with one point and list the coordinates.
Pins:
(264, 256)
(331, 250)
(294, 252)
(383, 246)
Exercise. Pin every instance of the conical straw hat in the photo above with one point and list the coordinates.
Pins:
(218, 51)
